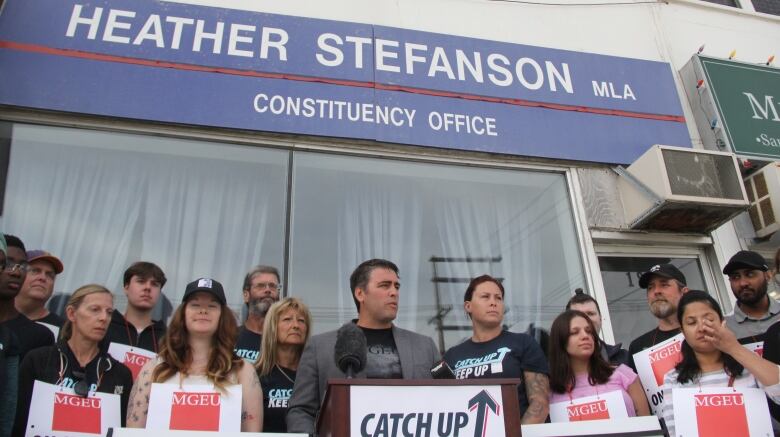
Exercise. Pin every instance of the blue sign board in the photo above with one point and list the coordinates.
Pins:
(179, 63)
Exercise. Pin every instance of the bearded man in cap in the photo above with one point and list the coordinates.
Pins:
(665, 285)
(755, 311)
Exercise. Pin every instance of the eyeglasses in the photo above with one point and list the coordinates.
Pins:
(269, 285)
(8, 267)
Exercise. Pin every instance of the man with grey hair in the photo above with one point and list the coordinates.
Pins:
(261, 289)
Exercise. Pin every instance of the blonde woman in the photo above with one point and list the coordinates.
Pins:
(285, 332)
(78, 361)
(197, 350)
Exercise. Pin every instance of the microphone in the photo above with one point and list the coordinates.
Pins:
(350, 350)
(442, 370)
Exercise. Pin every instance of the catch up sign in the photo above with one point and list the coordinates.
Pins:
(209, 66)
(408, 411)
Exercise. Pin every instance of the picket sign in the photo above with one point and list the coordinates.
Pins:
(721, 411)
(608, 405)
(132, 357)
(653, 363)
(194, 408)
(757, 347)
(56, 411)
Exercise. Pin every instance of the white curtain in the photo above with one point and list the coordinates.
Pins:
(380, 221)
(101, 201)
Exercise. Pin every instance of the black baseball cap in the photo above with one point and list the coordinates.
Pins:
(662, 270)
(745, 259)
(207, 285)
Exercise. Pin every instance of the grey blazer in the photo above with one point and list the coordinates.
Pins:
(416, 352)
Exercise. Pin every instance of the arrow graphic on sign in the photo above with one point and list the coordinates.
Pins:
(481, 402)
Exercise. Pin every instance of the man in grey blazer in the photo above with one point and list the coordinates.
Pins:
(392, 352)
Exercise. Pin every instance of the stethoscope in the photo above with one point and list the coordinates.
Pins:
(82, 386)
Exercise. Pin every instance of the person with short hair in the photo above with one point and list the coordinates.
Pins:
(585, 303)
(38, 288)
(755, 311)
(79, 360)
(392, 352)
(500, 353)
(262, 286)
(9, 367)
(287, 327)
(578, 369)
(712, 356)
(143, 282)
(198, 350)
(30, 335)
(665, 285)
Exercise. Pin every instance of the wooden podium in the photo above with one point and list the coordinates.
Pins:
(335, 417)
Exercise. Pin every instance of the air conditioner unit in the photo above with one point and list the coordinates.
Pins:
(763, 191)
(680, 189)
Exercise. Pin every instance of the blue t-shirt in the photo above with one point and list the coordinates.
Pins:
(506, 356)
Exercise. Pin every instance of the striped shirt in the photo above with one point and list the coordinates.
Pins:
(718, 378)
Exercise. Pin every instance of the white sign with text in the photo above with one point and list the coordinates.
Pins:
(57, 411)
(653, 363)
(721, 411)
(608, 405)
(194, 408)
(427, 410)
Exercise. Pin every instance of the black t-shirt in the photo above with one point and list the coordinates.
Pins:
(120, 331)
(506, 356)
(31, 335)
(772, 353)
(382, 360)
(277, 389)
(52, 319)
(646, 340)
(9, 368)
(248, 344)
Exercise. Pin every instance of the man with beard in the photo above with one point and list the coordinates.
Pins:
(261, 290)
(665, 286)
(30, 334)
(755, 311)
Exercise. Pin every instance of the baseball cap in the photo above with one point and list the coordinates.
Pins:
(745, 259)
(207, 285)
(663, 270)
(42, 255)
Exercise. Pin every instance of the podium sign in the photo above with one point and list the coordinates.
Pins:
(409, 410)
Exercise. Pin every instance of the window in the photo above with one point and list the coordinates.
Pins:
(101, 201)
(513, 224)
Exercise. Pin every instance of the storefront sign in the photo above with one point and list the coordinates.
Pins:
(426, 410)
(726, 411)
(747, 100)
(652, 365)
(219, 67)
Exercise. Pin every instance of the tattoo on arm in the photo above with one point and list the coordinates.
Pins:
(246, 416)
(537, 389)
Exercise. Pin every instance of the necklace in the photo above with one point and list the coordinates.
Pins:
(285, 374)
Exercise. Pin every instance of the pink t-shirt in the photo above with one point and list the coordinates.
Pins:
(621, 378)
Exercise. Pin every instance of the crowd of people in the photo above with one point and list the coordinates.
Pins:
(279, 372)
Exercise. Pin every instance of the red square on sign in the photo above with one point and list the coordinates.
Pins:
(76, 414)
(195, 411)
(134, 362)
(664, 360)
(589, 411)
(721, 415)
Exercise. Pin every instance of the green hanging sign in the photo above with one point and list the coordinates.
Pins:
(747, 99)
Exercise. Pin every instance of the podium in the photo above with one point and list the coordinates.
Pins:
(466, 407)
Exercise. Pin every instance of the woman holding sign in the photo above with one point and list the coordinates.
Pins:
(584, 385)
(197, 383)
(77, 371)
(286, 330)
(712, 356)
